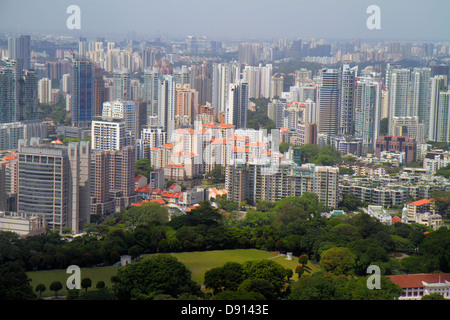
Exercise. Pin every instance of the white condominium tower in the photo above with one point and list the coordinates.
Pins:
(398, 95)
(368, 98)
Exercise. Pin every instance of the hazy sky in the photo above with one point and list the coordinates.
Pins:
(345, 19)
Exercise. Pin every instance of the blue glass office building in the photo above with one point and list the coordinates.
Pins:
(82, 93)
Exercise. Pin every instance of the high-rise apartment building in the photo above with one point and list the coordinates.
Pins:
(18, 93)
(99, 91)
(276, 86)
(112, 180)
(328, 102)
(259, 80)
(368, 97)
(54, 183)
(83, 93)
(347, 101)
(152, 83)
(419, 105)
(236, 113)
(166, 105)
(19, 49)
(398, 94)
(201, 81)
(45, 90)
(108, 134)
(249, 53)
(437, 110)
(256, 181)
(121, 109)
(186, 102)
(121, 84)
(223, 75)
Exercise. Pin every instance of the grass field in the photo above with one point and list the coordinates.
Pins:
(197, 262)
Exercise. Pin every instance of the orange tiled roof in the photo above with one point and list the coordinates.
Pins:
(421, 202)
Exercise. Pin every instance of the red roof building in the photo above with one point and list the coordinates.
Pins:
(415, 286)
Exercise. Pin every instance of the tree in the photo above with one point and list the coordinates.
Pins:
(40, 288)
(86, 283)
(433, 296)
(227, 277)
(159, 274)
(148, 213)
(265, 269)
(262, 286)
(233, 295)
(338, 261)
(316, 287)
(143, 167)
(284, 147)
(289, 273)
(303, 259)
(350, 202)
(217, 174)
(56, 286)
(100, 284)
(384, 123)
(14, 282)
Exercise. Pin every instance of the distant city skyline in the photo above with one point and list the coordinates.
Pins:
(232, 19)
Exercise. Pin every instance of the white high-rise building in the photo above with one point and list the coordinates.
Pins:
(108, 134)
(398, 94)
(45, 90)
(258, 79)
(121, 109)
(438, 84)
(166, 105)
(420, 95)
(346, 105)
(368, 97)
(443, 117)
(223, 74)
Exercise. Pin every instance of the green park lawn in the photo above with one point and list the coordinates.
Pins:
(197, 262)
(201, 261)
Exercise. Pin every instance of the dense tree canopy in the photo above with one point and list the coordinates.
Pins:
(159, 274)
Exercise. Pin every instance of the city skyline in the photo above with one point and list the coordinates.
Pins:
(231, 19)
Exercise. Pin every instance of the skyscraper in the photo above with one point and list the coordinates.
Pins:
(328, 102)
(438, 85)
(166, 105)
(152, 82)
(237, 106)
(54, 182)
(99, 91)
(420, 95)
(83, 93)
(18, 93)
(346, 107)
(368, 98)
(223, 75)
(121, 109)
(398, 94)
(201, 81)
(108, 134)
(249, 53)
(19, 49)
(121, 84)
